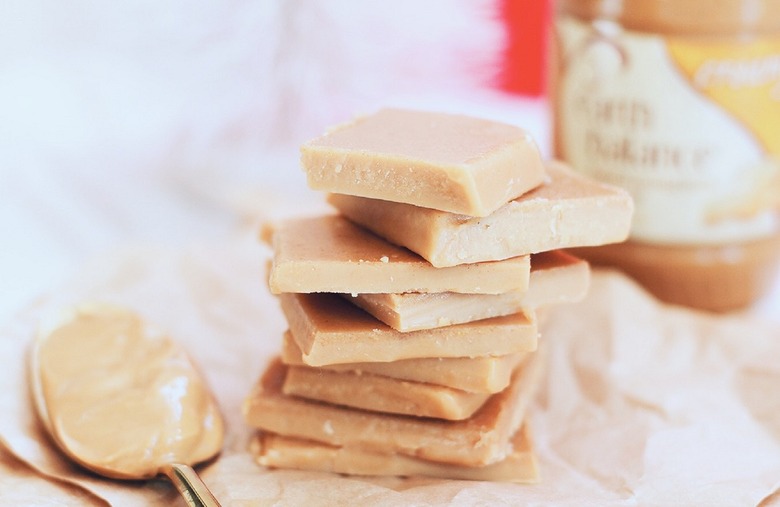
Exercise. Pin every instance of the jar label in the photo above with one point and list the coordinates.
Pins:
(690, 127)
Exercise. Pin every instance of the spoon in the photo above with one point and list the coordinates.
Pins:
(124, 400)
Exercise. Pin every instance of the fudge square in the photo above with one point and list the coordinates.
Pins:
(272, 450)
(568, 210)
(330, 330)
(331, 254)
(480, 374)
(442, 161)
(556, 277)
(480, 440)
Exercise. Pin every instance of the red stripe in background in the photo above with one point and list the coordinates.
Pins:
(525, 56)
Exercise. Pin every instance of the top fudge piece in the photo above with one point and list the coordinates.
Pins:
(441, 161)
(568, 210)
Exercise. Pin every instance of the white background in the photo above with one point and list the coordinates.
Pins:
(126, 123)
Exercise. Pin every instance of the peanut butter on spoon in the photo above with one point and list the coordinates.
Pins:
(124, 400)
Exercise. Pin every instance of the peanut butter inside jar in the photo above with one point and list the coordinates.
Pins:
(678, 101)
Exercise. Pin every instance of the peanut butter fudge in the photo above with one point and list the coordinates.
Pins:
(381, 394)
(442, 161)
(331, 254)
(413, 332)
(485, 374)
(330, 330)
(482, 439)
(556, 277)
(568, 210)
(414, 311)
(276, 451)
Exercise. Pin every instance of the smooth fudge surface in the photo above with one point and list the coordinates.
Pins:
(276, 451)
(556, 277)
(381, 394)
(330, 330)
(568, 210)
(331, 254)
(484, 374)
(482, 439)
(101, 378)
(449, 162)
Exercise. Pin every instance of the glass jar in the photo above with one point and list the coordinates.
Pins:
(678, 101)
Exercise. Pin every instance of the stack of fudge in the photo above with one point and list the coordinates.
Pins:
(413, 345)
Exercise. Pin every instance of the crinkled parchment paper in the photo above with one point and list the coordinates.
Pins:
(642, 404)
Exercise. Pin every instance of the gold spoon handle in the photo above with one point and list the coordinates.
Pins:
(191, 487)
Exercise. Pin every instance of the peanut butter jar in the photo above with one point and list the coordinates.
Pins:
(678, 101)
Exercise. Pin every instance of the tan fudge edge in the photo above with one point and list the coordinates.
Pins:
(486, 374)
(331, 254)
(556, 277)
(381, 394)
(276, 451)
(480, 440)
(569, 210)
(329, 330)
(442, 161)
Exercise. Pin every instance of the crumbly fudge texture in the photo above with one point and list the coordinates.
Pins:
(556, 277)
(484, 374)
(381, 394)
(330, 330)
(331, 254)
(273, 450)
(568, 210)
(482, 439)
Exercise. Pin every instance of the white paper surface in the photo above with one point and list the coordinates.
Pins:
(642, 404)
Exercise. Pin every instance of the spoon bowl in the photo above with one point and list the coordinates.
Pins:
(124, 400)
